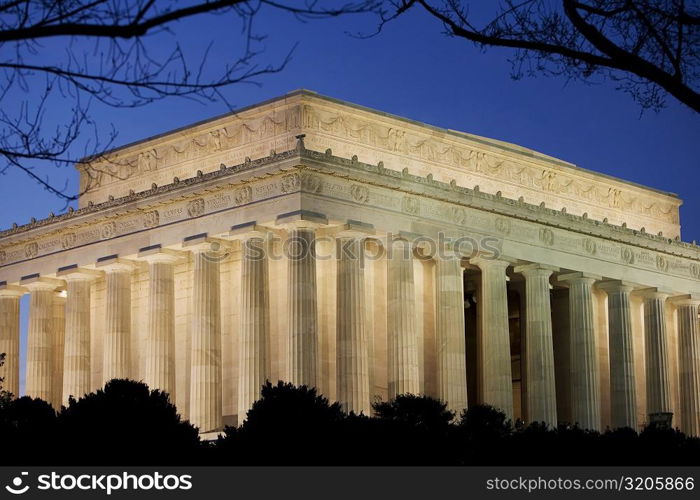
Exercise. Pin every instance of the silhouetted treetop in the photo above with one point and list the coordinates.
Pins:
(417, 411)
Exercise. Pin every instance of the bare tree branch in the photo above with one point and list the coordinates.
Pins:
(650, 48)
(118, 53)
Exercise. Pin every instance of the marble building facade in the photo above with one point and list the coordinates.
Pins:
(314, 241)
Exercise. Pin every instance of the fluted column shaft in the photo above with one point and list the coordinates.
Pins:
(40, 340)
(656, 350)
(585, 377)
(76, 358)
(689, 366)
(401, 322)
(539, 350)
(206, 377)
(303, 331)
(160, 344)
(450, 333)
(351, 342)
(254, 358)
(9, 336)
(495, 336)
(117, 334)
(623, 392)
(58, 349)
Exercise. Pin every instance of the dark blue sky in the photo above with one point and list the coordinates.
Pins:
(412, 70)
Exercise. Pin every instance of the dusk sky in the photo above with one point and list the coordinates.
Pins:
(413, 70)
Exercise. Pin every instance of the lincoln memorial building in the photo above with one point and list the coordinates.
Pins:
(314, 241)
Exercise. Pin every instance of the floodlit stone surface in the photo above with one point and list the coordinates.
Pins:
(495, 336)
(117, 333)
(206, 378)
(539, 357)
(689, 363)
(401, 322)
(623, 392)
(157, 287)
(451, 355)
(58, 348)
(585, 376)
(254, 350)
(159, 370)
(656, 341)
(77, 354)
(351, 341)
(40, 337)
(302, 310)
(9, 335)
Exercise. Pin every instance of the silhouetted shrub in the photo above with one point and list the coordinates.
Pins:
(27, 431)
(288, 424)
(414, 429)
(126, 423)
(416, 411)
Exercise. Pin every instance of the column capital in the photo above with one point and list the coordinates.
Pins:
(156, 253)
(113, 263)
(579, 276)
(249, 230)
(355, 229)
(612, 286)
(421, 245)
(301, 219)
(654, 293)
(535, 268)
(11, 290)
(60, 297)
(686, 300)
(201, 243)
(410, 237)
(74, 272)
(484, 263)
(36, 282)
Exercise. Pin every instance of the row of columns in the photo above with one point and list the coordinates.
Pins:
(47, 351)
(353, 387)
(583, 355)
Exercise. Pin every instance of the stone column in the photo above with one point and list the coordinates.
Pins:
(401, 321)
(206, 375)
(352, 354)
(495, 335)
(539, 350)
(57, 347)
(689, 363)
(9, 335)
(449, 331)
(585, 377)
(301, 293)
(656, 352)
(159, 370)
(76, 350)
(40, 337)
(623, 395)
(254, 350)
(117, 333)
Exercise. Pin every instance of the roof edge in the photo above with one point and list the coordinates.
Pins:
(496, 143)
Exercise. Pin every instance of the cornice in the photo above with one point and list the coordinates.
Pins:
(148, 194)
(495, 203)
(380, 176)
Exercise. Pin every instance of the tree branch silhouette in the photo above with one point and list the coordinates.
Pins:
(118, 53)
(649, 48)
